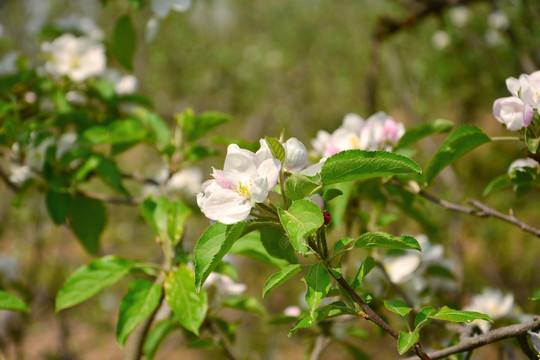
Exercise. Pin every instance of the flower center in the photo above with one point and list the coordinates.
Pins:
(355, 143)
(74, 62)
(243, 189)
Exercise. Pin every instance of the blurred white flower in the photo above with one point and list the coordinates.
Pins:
(493, 37)
(162, 7)
(519, 164)
(152, 27)
(493, 303)
(76, 57)
(8, 64)
(440, 40)
(498, 20)
(224, 285)
(9, 268)
(401, 268)
(123, 84)
(35, 155)
(292, 310)
(18, 173)
(66, 142)
(459, 15)
(187, 180)
(30, 97)
(83, 25)
(76, 97)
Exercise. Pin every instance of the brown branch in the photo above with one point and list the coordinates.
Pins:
(479, 209)
(487, 338)
(372, 316)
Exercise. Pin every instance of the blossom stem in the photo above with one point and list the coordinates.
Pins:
(506, 138)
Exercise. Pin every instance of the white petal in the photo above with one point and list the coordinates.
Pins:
(240, 160)
(296, 155)
(352, 122)
(226, 206)
(259, 190)
(535, 340)
(269, 169)
(401, 267)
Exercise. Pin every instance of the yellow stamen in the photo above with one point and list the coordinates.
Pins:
(243, 189)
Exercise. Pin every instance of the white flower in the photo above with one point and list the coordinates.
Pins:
(296, 155)
(188, 180)
(459, 15)
(123, 84)
(245, 180)
(18, 174)
(83, 25)
(498, 20)
(401, 268)
(35, 155)
(530, 92)
(512, 112)
(162, 7)
(293, 311)
(535, 340)
(76, 57)
(224, 285)
(519, 164)
(440, 40)
(8, 64)
(378, 132)
(516, 86)
(493, 303)
(66, 142)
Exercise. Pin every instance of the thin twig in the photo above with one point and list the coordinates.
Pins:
(479, 209)
(393, 285)
(321, 342)
(487, 338)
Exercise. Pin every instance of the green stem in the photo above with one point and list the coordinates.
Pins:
(506, 138)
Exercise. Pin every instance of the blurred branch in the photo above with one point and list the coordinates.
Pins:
(321, 342)
(111, 200)
(142, 179)
(489, 337)
(479, 209)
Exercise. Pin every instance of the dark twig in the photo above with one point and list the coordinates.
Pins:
(487, 338)
(479, 209)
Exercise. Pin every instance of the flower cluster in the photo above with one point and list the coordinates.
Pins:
(378, 132)
(516, 112)
(493, 303)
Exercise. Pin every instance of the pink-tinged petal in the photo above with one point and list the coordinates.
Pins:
(259, 190)
(317, 200)
(296, 155)
(510, 112)
(528, 114)
(269, 169)
(513, 85)
(219, 175)
(226, 206)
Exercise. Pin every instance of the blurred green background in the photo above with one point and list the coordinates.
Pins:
(300, 66)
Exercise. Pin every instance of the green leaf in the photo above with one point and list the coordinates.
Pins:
(279, 278)
(104, 88)
(198, 152)
(305, 322)
(155, 125)
(338, 207)
(318, 282)
(497, 183)
(397, 307)
(277, 244)
(301, 220)
(406, 341)
(88, 280)
(367, 265)
(457, 144)
(251, 246)
(331, 193)
(195, 127)
(384, 240)
(244, 303)
(298, 186)
(142, 298)
(156, 336)
(532, 142)
(448, 314)
(418, 132)
(535, 295)
(57, 206)
(188, 305)
(11, 302)
(276, 147)
(212, 246)
(342, 243)
(360, 164)
(422, 319)
(177, 216)
(137, 4)
(124, 41)
(87, 219)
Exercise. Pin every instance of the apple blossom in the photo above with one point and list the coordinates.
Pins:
(76, 57)
(493, 303)
(245, 180)
(162, 7)
(519, 164)
(530, 93)
(296, 155)
(123, 84)
(224, 285)
(512, 112)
